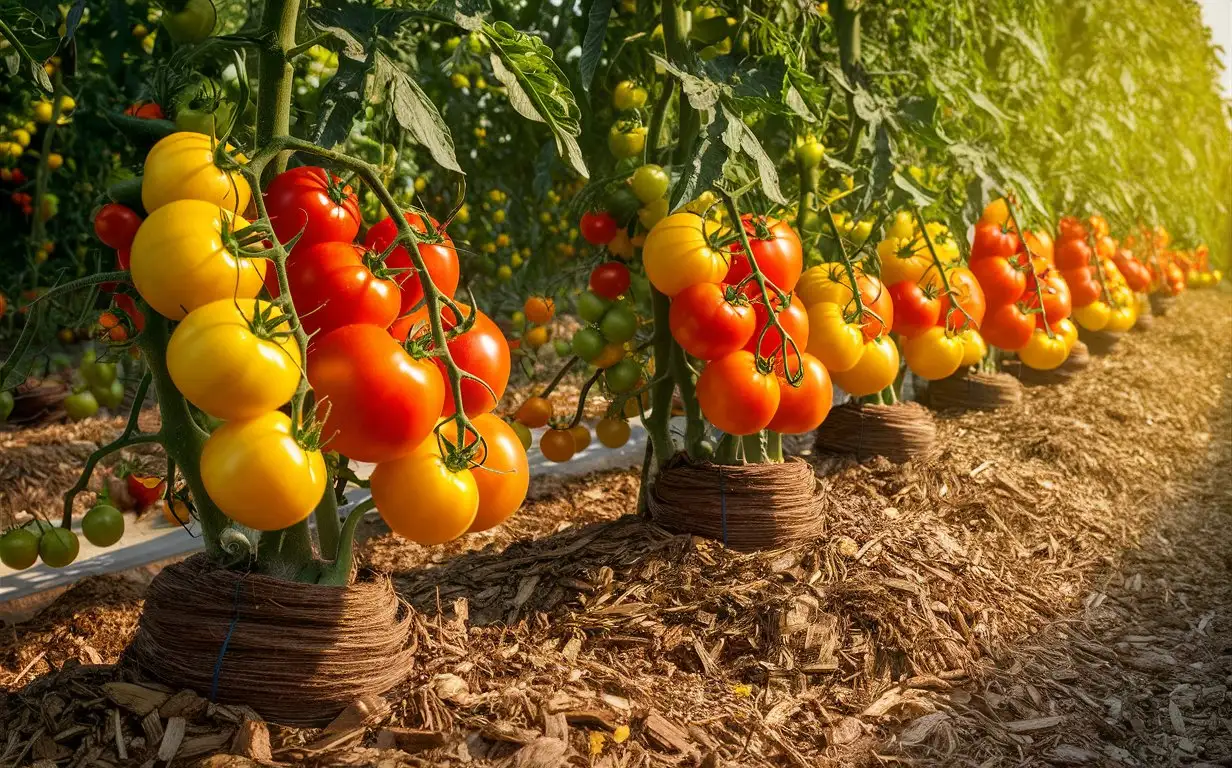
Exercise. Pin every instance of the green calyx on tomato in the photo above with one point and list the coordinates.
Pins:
(202, 108)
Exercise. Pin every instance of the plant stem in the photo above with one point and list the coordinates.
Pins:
(43, 172)
(774, 443)
(661, 393)
(755, 448)
(725, 452)
(338, 573)
(275, 73)
(847, 28)
(695, 428)
(328, 524)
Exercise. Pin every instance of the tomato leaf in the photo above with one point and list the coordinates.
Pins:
(416, 113)
(592, 44)
(704, 165)
(916, 195)
(17, 25)
(703, 93)
(342, 99)
(983, 102)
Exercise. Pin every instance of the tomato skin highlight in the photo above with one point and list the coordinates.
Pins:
(706, 325)
(333, 287)
(382, 402)
(803, 407)
(735, 396)
(223, 368)
(116, 225)
(181, 167)
(440, 259)
(299, 200)
(259, 476)
(422, 500)
(179, 261)
(780, 257)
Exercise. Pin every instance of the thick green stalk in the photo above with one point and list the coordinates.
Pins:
(695, 428)
(329, 527)
(725, 453)
(774, 446)
(275, 72)
(847, 29)
(657, 423)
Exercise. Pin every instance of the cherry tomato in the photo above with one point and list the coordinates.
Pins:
(588, 344)
(539, 309)
(19, 549)
(677, 254)
(736, 396)
(58, 547)
(382, 403)
(1007, 327)
(181, 167)
(707, 325)
(780, 256)
(916, 308)
(649, 183)
(598, 227)
(441, 259)
(581, 438)
(145, 110)
(116, 225)
(623, 376)
(535, 412)
(310, 201)
(933, 354)
(421, 499)
(629, 95)
(619, 324)
(523, 433)
(193, 22)
(557, 445)
(103, 525)
(767, 340)
(804, 406)
(590, 307)
(609, 280)
(1002, 281)
(613, 433)
(333, 285)
(876, 369)
(145, 489)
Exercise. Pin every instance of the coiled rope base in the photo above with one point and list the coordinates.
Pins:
(296, 653)
(1099, 342)
(748, 507)
(898, 432)
(974, 391)
(1145, 322)
(1161, 305)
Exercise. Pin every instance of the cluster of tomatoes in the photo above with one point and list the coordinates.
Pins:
(1103, 295)
(374, 371)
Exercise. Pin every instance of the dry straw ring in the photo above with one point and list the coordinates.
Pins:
(898, 432)
(296, 653)
(977, 391)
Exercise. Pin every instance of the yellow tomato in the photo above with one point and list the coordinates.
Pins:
(613, 433)
(1121, 319)
(817, 284)
(1043, 353)
(1093, 316)
(901, 261)
(581, 438)
(677, 255)
(997, 212)
(837, 343)
(231, 366)
(22, 137)
(876, 369)
(974, 346)
(423, 500)
(903, 226)
(611, 354)
(180, 260)
(259, 476)
(536, 337)
(1067, 331)
(933, 354)
(181, 167)
(42, 112)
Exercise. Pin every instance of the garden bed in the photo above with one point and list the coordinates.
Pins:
(575, 622)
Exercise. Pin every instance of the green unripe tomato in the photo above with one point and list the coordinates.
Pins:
(588, 344)
(649, 183)
(103, 525)
(19, 549)
(629, 95)
(623, 376)
(59, 547)
(591, 308)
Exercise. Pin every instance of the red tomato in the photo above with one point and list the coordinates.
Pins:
(707, 325)
(780, 257)
(793, 318)
(736, 396)
(1084, 287)
(916, 309)
(440, 258)
(1007, 327)
(504, 475)
(1072, 229)
(968, 295)
(146, 110)
(991, 240)
(803, 407)
(309, 200)
(333, 286)
(116, 225)
(382, 403)
(1001, 281)
(1072, 254)
(609, 280)
(125, 304)
(877, 299)
(598, 227)
(145, 489)
(1057, 301)
(481, 351)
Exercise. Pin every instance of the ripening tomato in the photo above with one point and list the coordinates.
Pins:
(879, 306)
(1039, 244)
(1072, 254)
(1043, 352)
(116, 225)
(1084, 287)
(180, 259)
(333, 285)
(1093, 316)
(677, 254)
(539, 309)
(736, 395)
(876, 369)
(503, 475)
(613, 433)
(780, 256)
(766, 340)
(259, 475)
(803, 406)
(997, 212)
(1008, 327)
(974, 347)
(933, 354)
(382, 402)
(833, 340)
(1001, 280)
(968, 296)
(557, 445)
(609, 280)
(598, 227)
(1067, 331)
(181, 167)
(314, 204)
(535, 412)
(1105, 247)
(440, 258)
(232, 365)
(707, 325)
(1057, 301)
(993, 240)
(421, 499)
(481, 351)
(901, 260)
(916, 308)
(1070, 228)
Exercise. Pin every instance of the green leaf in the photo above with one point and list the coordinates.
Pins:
(416, 113)
(592, 45)
(704, 165)
(537, 88)
(703, 93)
(342, 98)
(914, 193)
(17, 25)
(751, 147)
(983, 102)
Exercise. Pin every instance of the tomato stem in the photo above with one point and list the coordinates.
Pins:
(560, 376)
(945, 280)
(695, 428)
(1039, 294)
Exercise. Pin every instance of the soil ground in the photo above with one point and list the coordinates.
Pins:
(1051, 588)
